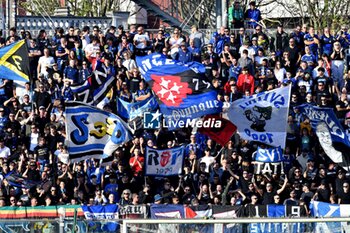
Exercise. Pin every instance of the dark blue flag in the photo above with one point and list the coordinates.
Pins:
(100, 212)
(132, 110)
(19, 181)
(94, 89)
(326, 115)
(167, 211)
(182, 90)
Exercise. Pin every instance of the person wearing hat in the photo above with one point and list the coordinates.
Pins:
(253, 15)
(158, 199)
(184, 55)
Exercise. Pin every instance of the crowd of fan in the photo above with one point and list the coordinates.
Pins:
(32, 118)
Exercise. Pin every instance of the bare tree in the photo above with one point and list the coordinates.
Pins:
(319, 13)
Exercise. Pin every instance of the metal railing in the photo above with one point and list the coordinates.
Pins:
(136, 222)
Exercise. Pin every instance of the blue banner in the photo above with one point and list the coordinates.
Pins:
(270, 155)
(278, 211)
(132, 110)
(167, 211)
(322, 209)
(326, 115)
(183, 91)
(99, 212)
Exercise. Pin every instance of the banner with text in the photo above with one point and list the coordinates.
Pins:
(262, 117)
(166, 162)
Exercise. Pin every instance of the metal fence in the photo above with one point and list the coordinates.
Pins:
(252, 225)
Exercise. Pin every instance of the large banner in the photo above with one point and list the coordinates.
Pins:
(93, 133)
(262, 117)
(322, 209)
(166, 162)
(102, 212)
(132, 110)
(167, 211)
(326, 115)
(330, 132)
(275, 211)
(8, 212)
(182, 90)
(269, 160)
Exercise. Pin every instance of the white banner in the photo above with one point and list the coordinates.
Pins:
(166, 162)
(262, 117)
(92, 133)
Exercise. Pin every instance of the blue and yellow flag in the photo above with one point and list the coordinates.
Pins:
(14, 62)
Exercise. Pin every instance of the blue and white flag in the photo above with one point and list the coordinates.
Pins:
(166, 162)
(159, 211)
(103, 212)
(322, 209)
(262, 117)
(92, 132)
(94, 89)
(132, 110)
(326, 115)
(182, 90)
(270, 155)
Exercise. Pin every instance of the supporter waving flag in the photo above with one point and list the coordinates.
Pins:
(93, 133)
(262, 117)
(183, 91)
(95, 87)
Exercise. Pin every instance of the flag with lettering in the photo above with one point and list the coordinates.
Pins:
(275, 211)
(14, 61)
(182, 90)
(92, 132)
(166, 162)
(268, 160)
(94, 89)
(102, 212)
(326, 115)
(263, 116)
(132, 211)
(269, 155)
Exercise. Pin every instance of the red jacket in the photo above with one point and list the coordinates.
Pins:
(245, 82)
